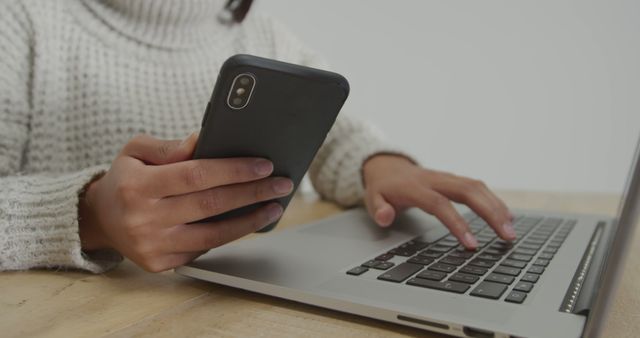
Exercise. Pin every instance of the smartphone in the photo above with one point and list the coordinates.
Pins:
(270, 109)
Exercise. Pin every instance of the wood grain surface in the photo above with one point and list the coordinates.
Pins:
(130, 302)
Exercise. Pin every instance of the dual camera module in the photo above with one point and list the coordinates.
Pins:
(241, 90)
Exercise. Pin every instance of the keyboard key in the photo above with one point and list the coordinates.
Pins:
(530, 221)
(444, 286)
(552, 221)
(384, 266)
(371, 264)
(550, 250)
(474, 270)
(402, 252)
(478, 221)
(498, 278)
(536, 269)
(442, 267)
(534, 242)
(523, 286)
(464, 278)
(489, 290)
(462, 254)
(505, 270)
(516, 297)
(545, 255)
(514, 264)
(452, 260)
(535, 247)
(440, 248)
(357, 271)
(401, 272)
(495, 251)
(517, 257)
(433, 275)
(481, 263)
(420, 260)
(541, 262)
(414, 245)
(530, 277)
(525, 251)
(501, 243)
(533, 238)
(384, 257)
(430, 254)
(448, 243)
(489, 257)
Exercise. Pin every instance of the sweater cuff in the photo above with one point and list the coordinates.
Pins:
(342, 179)
(43, 224)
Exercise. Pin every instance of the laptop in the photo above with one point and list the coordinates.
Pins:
(556, 280)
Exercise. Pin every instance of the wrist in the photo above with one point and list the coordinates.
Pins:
(91, 235)
(382, 162)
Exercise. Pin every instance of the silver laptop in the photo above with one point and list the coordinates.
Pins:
(557, 280)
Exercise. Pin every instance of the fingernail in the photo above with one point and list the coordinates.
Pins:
(263, 167)
(471, 241)
(379, 218)
(508, 229)
(274, 212)
(282, 185)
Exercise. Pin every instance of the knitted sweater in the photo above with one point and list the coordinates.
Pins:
(79, 78)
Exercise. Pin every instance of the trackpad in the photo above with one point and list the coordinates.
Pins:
(359, 226)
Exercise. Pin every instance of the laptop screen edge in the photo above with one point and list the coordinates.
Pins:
(625, 224)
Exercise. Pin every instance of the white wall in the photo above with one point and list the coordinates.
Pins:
(538, 95)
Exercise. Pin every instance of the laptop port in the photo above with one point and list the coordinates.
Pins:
(423, 322)
(477, 333)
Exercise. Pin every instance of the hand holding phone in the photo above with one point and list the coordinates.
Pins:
(142, 206)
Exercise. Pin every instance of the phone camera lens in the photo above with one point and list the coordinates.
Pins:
(240, 92)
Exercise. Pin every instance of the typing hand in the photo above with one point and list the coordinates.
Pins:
(393, 183)
(143, 205)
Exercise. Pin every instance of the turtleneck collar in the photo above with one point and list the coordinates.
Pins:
(161, 23)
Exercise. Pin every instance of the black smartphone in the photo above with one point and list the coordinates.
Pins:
(270, 109)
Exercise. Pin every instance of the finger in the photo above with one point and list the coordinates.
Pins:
(440, 207)
(170, 261)
(497, 200)
(205, 236)
(151, 150)
(199, 205)
(475, 195)
(380, 210)
(197, 175)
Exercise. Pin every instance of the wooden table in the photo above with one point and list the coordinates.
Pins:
(130, 302)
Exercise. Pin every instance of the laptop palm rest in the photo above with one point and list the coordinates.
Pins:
(308, 255)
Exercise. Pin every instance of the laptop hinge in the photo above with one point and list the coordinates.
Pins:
(584, 286)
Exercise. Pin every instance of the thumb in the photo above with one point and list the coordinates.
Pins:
(151, 150)
(380, 210)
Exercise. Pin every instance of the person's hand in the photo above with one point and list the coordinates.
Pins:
(142, 206)
(393, 183)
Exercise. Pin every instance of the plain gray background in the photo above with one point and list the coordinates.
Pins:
(541, 95)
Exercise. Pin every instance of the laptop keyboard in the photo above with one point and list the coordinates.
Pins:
(497, 270)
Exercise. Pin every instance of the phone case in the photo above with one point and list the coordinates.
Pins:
(286, 120)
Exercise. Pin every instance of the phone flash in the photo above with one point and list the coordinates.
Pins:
(240, 91)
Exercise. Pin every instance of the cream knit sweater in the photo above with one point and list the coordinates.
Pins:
(79, 78)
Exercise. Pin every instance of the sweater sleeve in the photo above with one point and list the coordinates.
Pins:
(336, 170)
(38, 213)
